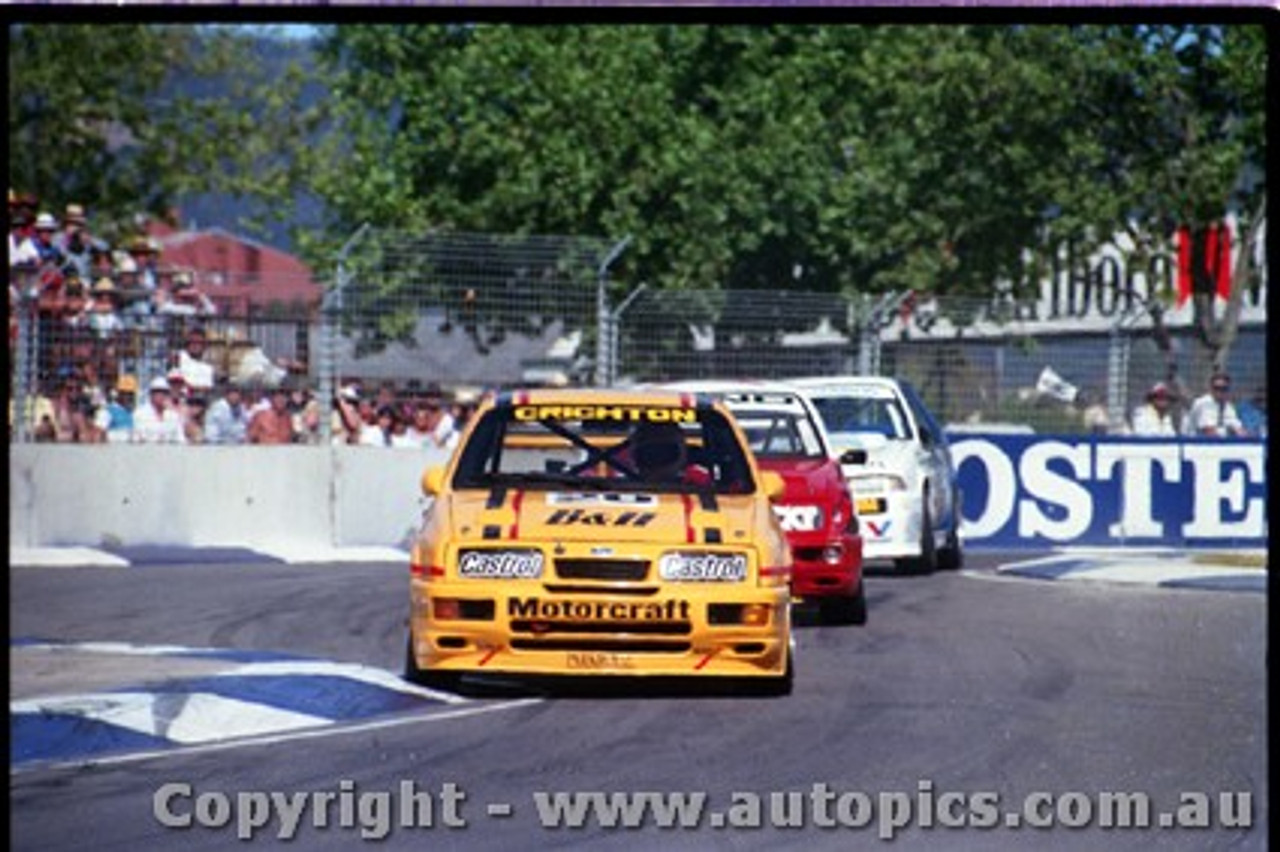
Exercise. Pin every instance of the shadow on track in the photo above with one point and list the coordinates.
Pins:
(607, 687)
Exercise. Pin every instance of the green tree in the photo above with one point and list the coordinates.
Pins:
(1175, 118)
(127, 118)
(914, 155)
(844, 159)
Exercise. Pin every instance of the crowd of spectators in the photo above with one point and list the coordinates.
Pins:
(109, 321)
(122, 356)
(1213, 414)
(97, 312)
(175, 410)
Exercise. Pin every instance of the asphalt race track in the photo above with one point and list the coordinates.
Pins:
(962, 688)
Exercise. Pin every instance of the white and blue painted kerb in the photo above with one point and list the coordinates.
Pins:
(1162, 568)
(125, 556)
(257, 693)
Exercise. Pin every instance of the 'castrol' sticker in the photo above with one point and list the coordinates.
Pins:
(705, 567)
(501, 564)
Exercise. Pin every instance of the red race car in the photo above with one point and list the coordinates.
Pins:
(816, 512)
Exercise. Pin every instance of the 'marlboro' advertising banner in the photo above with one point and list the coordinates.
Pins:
(1045, 491)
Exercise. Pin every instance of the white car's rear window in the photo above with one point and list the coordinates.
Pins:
(878, 411)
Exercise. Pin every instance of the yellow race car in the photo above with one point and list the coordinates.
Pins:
(579, 532)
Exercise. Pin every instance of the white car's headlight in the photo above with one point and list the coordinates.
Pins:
(703, 567)
(877, 484)
(500, 564)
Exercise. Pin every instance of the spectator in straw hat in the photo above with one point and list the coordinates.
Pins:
(1155, 417)
(74, 242)
(184, 300)
(145, 252)
(135, 300)
(74, 219)
(119, 410)
(104, 318)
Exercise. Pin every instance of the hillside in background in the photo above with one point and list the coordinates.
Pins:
(210, 210)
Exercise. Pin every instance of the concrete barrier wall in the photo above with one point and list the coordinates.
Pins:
(265, 497)
(1029, 491)
(379, 494)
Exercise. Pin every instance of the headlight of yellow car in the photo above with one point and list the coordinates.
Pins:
(703, 567)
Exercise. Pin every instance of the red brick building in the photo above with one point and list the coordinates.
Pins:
(241, 276)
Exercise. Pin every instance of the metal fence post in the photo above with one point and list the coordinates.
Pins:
(866, 328)
(330, 315)
(602, 334)
(1120, 342)
(606, 330)
(615, 321)
(869, 340)
(325, 385)
(26, 358)
(1117, 370)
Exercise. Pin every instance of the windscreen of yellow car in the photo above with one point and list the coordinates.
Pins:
(616, 448)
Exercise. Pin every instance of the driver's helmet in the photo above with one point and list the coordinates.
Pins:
(658, 450)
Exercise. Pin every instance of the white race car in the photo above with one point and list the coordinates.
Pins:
(898, 465)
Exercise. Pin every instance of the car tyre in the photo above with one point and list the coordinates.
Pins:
(849, 609)
(782, 685)
(951, 557)
(427, 677)
(927, 561)
(776, 686)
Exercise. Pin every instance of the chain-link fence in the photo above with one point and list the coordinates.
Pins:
(464, 310)
(78, 346)
(985, 374)
(402, 312)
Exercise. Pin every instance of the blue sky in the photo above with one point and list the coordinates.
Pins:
(298, 30)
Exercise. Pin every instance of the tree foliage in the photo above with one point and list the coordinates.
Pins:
(827, 157)
(129, 118)
(835, 158)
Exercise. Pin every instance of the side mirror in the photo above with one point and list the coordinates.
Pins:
(773, 484)
(433, 480)
(853, 457)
